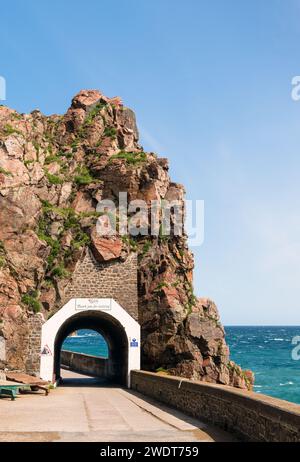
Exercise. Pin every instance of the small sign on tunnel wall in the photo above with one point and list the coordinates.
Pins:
(46, 351)
(134, 343)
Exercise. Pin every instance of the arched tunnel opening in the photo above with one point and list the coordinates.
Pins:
(86, 341)
(113, 368)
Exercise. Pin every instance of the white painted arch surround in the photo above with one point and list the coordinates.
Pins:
(51, 327)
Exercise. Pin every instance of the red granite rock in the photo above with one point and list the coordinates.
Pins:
(53, 170)
(105, 249)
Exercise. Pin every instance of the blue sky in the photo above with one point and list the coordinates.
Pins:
(210, 82)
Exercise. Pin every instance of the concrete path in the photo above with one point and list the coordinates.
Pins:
(84, 409)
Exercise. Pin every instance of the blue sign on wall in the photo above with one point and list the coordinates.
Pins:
(134, 343)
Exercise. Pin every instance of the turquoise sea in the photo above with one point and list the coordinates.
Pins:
(267, 351)
(88, 342)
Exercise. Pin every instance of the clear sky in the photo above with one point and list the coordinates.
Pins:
(210, 82)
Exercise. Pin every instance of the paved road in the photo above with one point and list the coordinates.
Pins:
(83, 409)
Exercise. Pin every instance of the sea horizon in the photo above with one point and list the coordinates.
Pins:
(261, 325)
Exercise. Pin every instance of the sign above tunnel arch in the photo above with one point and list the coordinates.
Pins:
(86, 304)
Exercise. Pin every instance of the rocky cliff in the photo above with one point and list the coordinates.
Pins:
(53, 171)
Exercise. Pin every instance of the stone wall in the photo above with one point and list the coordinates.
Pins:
(35, 323)
(117, 280)
(86, 364)
(91, 279)
(250, 416)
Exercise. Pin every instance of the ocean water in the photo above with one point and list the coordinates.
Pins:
(267, 351)
(88, 342)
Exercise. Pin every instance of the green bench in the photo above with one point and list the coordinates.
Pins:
(9, 389)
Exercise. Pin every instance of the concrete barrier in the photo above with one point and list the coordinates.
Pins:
(249, 415)
(86, 364)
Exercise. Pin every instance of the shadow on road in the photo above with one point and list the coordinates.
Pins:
(73, 379)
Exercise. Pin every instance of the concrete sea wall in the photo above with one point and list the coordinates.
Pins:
(250, 416)
(85, 364)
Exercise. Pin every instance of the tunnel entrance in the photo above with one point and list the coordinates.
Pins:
(105, 316)
(113, 368)
(85, 359)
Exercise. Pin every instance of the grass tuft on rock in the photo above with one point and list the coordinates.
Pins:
(5, 172)
(131, 158)
(83, 176)
(31, 301)
(54, 179)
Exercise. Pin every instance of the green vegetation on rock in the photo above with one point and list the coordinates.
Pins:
(54, 179)
(131, 158)
(2, 262)
(10, 130)
(83, 176)
(111, 132)
(5, 172)
(31, 301)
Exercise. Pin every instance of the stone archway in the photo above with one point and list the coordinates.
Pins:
(107, 317)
